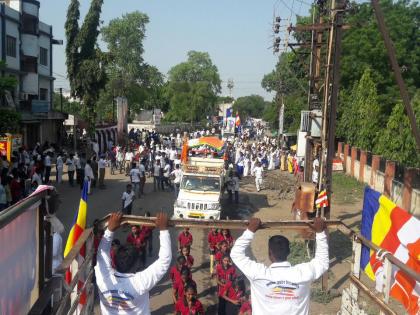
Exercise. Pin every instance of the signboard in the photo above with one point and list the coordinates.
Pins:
(39, 106)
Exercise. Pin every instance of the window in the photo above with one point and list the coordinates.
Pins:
(30, 24)
(43, 94)
(10, 46)
(43, 56)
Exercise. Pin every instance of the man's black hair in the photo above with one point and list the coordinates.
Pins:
(239, 282)
(181, 260)
(125, 259)
(279, 247)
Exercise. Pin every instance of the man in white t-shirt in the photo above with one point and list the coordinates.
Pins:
(59, 164)
(47, 164)
(135, 179)
(122, 291)
(129, 155)
(258, 172)
(280, 288)
(101, 168)
(157, 175)
(127, 199)
(176, 175)
(315, 171)
(88, 175)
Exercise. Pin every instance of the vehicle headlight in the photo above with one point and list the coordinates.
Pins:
(180, 204)
(213, 206)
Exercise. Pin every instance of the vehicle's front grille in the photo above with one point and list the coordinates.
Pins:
(196, 206)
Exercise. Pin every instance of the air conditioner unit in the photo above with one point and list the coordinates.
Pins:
(316, 123)
(305, 121)
(311, 121)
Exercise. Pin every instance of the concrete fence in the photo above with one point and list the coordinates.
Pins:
(401, 184)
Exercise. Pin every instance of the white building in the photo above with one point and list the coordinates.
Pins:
(26, 47)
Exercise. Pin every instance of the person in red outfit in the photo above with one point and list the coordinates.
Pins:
(137, 239)
(179, 287)
(189, 305)
(223, 250)
(225, 273)
(224, 235)
(175, 271)
(246, 307)
(185, 238)
(234, 294)
(189, 260)
(212, 240)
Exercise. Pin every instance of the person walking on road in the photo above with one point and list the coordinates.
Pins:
(157, 176)
(88, 175)
(258, 172)
(102, 167)
(59, 165)
(127, 199)
(176, 174)
(135, 179)
(281, 288)
(120, 290)
(71, 167)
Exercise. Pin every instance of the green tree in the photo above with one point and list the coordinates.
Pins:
(192, 88)
(363, 47)
(361, 119)
(396, 142)
(85, 61)
(127, 73)
(250, 106)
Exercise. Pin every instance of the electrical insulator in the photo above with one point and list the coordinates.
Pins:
(276, 28)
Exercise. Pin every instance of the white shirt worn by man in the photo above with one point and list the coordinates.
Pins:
(59, 162)
(135, 175)
(128, 198)
(142, 170)
(101, 163)
(128, 293)
(258, 172)
(315, 173)
(47, 160)
(88, 172)
(280, 288)
(177, 173)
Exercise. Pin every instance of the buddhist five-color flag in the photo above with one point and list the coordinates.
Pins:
(398, 232)
(322, 200)
(79, 225)
(237, 120)
(79, 221)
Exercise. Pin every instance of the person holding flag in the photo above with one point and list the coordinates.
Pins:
(120, 290)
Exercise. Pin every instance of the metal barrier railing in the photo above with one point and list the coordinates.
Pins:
(84, 272)
(81, 272)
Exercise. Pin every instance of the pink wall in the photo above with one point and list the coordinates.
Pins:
(401, 192)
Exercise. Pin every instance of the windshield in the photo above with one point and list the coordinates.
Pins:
(200, 183)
